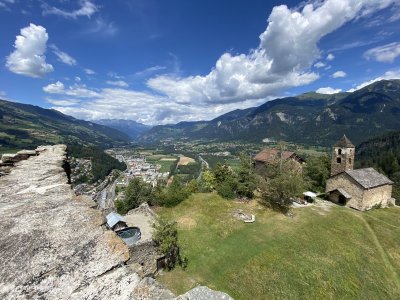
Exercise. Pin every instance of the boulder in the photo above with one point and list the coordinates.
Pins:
(203, 293)
(27, 152)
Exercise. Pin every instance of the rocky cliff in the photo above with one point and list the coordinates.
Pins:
(53, 244)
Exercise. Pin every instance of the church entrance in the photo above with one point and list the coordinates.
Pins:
(342, 200)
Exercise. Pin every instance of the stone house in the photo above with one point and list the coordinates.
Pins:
(360, 189)
(271, 155)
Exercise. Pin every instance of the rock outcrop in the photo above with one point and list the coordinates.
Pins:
(53, 244)
(204, 293)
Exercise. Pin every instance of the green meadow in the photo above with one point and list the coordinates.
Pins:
(322, 252)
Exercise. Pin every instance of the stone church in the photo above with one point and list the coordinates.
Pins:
(361, 188)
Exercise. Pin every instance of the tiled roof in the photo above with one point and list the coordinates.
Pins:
(368, 177)
(344, 142)
(270, 154)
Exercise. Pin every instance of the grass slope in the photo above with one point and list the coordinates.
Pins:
(321, 253)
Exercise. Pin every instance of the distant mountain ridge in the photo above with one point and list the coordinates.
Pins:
(311, 118)
(27, 126)
(132, 128)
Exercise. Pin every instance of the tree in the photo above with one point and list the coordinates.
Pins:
(207, 181)
(222, 173)
(165, 237)
(175, 193)
(280, 189)
(246, 181)
(317, 171)
(225, 181)
(136, 193)
(192, 186)
(226, 189)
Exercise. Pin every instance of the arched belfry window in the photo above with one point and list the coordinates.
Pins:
(338, 160)
(340, 151)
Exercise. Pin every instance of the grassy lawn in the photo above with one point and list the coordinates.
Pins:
(321, 253)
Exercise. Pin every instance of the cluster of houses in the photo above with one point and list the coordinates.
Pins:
(361, 189)
(138, 167)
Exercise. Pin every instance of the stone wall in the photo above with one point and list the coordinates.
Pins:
(146, 256)
(343, 181)
(379, 195)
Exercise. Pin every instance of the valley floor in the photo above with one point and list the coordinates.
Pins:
(323, 252)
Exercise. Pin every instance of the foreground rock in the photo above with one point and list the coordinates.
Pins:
(204, 293)
(53, 244)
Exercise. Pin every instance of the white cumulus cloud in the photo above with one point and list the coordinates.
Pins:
(339, 74)
(87, 9)
(54, 88)
(76, 90)
(89, 71)
(119, 83)
(328, 90)
(393, 74)
(28, 57)
(319, 64)
(288, 48)
(386, 53)
(330, 56)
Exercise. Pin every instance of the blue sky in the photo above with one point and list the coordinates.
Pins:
(158, 62)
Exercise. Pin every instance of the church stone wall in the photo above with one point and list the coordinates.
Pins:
(342, 181)
(378, 195)
(346, 156)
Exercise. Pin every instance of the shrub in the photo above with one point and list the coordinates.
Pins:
(165, 237)
(225, 190)
(136, 193)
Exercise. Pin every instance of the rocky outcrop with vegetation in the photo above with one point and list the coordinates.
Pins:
(52, 242)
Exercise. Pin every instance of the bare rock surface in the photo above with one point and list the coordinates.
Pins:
(204, 293)
(52, 244)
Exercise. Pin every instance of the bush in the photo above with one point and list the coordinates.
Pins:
(165, 237)
(173, 195)
(136, 193)
(226, 190)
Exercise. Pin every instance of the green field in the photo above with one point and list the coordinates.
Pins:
(323, 252)
(157, 160)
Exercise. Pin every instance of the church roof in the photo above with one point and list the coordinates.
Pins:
(344, 142)
(368, 177)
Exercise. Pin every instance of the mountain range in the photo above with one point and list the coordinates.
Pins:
(27, 126)
(311, 118)
(131, 128)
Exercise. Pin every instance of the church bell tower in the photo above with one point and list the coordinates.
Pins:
(342, 156)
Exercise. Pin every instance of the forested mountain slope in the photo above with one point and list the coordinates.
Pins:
(311, 118)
